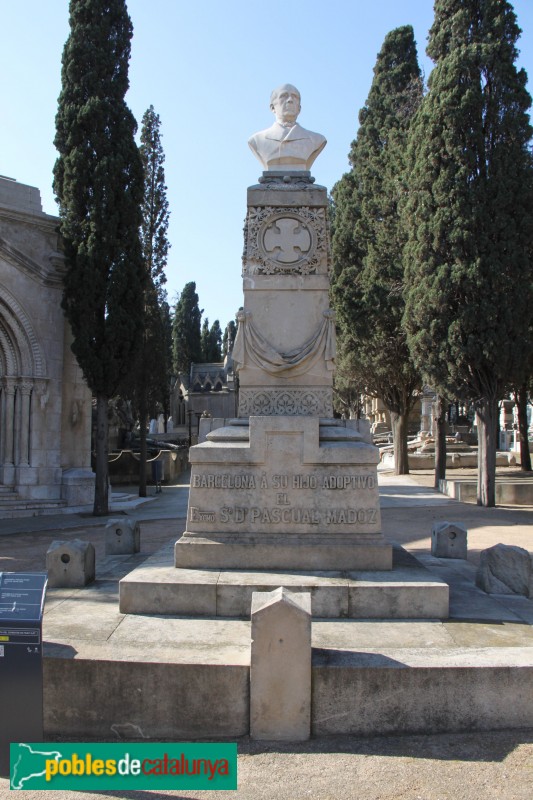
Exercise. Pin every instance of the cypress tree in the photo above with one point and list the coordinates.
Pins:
(155, 213)
(186, 331)
(228, 339)
(98, 184)
(152, 380)
(468, 258)
(368, 239)
(215, 342)
(204, 340)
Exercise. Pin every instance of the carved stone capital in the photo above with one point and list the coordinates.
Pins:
(9, 384)
(25, 386)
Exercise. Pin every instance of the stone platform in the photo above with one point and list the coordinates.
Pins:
(112, 675)
(409, 591)
(109, 674)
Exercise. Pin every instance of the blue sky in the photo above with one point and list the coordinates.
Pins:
(208, 68)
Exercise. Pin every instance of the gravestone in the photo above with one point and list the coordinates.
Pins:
(285, 485)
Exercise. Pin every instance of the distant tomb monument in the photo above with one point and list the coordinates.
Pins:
(285, 485)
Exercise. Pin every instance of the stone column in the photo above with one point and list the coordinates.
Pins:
(25, 388)
(9, 420)
(426, 416)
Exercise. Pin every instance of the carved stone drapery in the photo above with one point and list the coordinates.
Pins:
(252, 348)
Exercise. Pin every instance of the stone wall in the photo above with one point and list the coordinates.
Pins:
(45, 404)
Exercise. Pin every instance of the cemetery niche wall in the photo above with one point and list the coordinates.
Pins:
(45, 404)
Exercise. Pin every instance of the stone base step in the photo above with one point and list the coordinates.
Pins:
(13, 508)
(409, 591)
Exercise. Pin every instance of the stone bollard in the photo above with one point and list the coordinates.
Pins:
(280, 668)
(70, 564)
(448, 540)
(505, 569)
(122, 537)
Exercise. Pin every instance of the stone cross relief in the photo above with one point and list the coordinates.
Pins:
(286, 240)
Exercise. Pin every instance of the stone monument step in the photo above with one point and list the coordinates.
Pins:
(408, 591)
(330, 430)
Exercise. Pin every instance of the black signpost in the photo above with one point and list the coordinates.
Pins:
(21, 660)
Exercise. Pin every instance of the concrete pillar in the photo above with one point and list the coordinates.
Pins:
(449, 540)
(122, 537)
(280, 668)
(70, 564)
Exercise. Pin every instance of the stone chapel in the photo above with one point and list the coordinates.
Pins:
(45, 404)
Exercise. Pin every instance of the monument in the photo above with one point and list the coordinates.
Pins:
(285, 485)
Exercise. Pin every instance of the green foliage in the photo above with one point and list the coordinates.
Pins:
(469, 210)
(155, 214)
(349, 386)
(98, 184)
(468, 258)
(211, 340)
(368, 233)
(228, 340)
(152, 376)
(186, 334)
(204, 340)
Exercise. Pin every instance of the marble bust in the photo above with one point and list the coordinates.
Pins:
(286, 145)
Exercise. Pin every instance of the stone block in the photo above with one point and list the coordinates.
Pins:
(70, 564)
(122, 537)
(448, 540)
(505, 569)
(280, 667)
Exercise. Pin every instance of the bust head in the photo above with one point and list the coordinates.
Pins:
(285, 103)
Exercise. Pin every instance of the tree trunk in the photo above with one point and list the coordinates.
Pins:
(101, 483)
(143, 455)
(440, 440)
(486, 415)
(521, 404)
(399, 438)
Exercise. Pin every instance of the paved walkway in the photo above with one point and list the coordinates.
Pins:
(495, 765)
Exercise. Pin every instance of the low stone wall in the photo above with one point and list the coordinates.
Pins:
(124, 468)
(130, 700)
(352, 693)
(507, 493)
(453, 460)
(388, 697)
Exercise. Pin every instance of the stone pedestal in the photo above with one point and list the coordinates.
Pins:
(285, 486)
(284, 493)
(285, 345)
